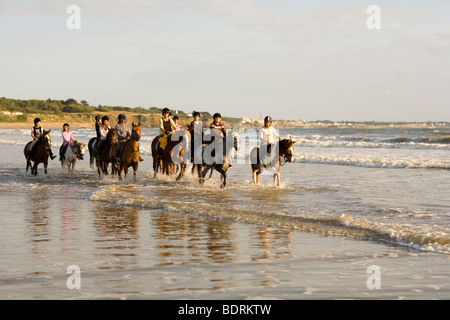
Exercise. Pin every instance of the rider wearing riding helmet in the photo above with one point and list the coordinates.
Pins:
(166, 124)
(218, 124)
(267, 135)
(36, 133)
(104, 129)
(123, 134)
(67, 137)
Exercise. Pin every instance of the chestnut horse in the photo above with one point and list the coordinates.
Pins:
(41, 155)
(130, 156)
(176, 152)
(286, 153)
(105, 158)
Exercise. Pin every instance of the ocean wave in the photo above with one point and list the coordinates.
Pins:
(372, 162)
(420, 237)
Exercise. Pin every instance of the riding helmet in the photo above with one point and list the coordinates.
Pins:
(217, 115)
(105, 118)
(196, 113)
(37, 120)
(165, 110)
(268, 119)
(66, 125)
(122, 117)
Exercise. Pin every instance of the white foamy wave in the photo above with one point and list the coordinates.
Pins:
(420, 237)
(371, 162)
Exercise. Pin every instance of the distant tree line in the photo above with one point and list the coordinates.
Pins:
(71, 105)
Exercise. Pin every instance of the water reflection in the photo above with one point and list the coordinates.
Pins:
(186, 239)
(272, 244)
(117, 234)
(38, 205)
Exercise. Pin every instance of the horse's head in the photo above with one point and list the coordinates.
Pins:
(46, 139)
(136, 131)
(287, 149)
(81, 148)
(111, 136)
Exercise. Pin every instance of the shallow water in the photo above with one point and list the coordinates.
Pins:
(312, 238)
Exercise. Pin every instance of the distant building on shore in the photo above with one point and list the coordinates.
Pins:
(12, 112)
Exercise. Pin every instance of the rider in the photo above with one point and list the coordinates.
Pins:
(104, 129)
(267, 134)
(218, 124)
(166, 127)
(36, 133)
(67, 137)
(196, 130)
(98, 124)
(123, 135)
(176, 121)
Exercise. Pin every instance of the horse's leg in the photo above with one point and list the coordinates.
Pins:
(45, 166)
(201, 178)
(73, 165)
(223, 177)
(182, 169)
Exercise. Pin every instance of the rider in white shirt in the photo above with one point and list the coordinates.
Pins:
(267, 135)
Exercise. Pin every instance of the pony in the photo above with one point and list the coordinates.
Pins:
(130, 155)
(157, 159)
(286, 154)
(41, 155)
(175, 153)
(103, 159)
(92, 152)
(231, 141)
(75, 150)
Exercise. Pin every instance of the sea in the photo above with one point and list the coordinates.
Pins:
(361, 213)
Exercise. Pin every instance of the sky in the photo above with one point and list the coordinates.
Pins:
(291, 59)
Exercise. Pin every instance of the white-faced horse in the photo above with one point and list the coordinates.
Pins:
(75, 150)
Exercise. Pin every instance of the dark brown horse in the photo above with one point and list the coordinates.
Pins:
(231, 141)
(285, 153)
(41, 154)
(176, 152)
(105, 158)
(157, 159)
(92, 152)
(130, 156)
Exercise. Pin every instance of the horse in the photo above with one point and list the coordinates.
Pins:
(92, 152)
(130, 156)
(105, 156)
(75, 150)
(178, 146)
(41, 155)
(231, 141)
(157, 159)
(286, 153)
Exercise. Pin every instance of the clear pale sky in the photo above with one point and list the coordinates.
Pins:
(312, 60)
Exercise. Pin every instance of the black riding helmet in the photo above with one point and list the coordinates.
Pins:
(268, 119)
(37, 120)
(122, 117)
(65, 125)
(165, 110)
(105, 118)
(217, 115)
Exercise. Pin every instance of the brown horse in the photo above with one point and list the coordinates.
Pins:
(105, 158)
(178, 145)
(130, 156)
(157, 159)
(92, 152)
(41, 155)
(231, 141)
(286, 153)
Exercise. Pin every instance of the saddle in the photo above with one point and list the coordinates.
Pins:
(255, 158)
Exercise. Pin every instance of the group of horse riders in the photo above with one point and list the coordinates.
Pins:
(167, 125)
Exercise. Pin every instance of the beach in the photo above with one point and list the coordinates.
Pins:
(362, 213)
